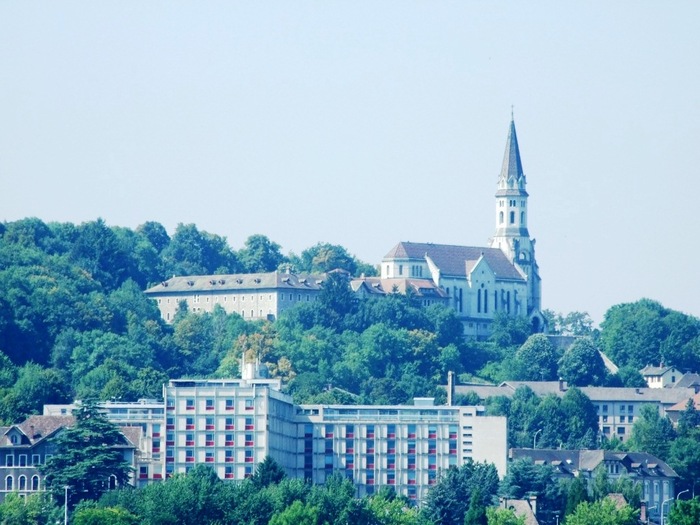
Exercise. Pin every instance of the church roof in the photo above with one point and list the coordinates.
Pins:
(453, 260)
(512, 165)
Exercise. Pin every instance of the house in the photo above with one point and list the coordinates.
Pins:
(26, 446)
(660, 376)
(656, 478)
(253, 296)
(480, 282)
(617, 408)
(523, 508)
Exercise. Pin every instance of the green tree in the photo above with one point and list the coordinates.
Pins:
(689, 419)
(576, 493)
(582, 365)
(450, 499)
(536, 359)
(685, 512)
(581, 419)
(632, 333)
(87, 457)
(525, 479)
(297, 513)
(260, 254)
(684, 458)
(268, 472)
(90, 515)
(191, 252)
(603, 512)
(476, 513)
(652, 433)
(496, 516)
(32, 510)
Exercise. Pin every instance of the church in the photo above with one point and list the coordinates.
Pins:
(478, 282)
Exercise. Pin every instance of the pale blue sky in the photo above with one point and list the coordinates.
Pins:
(367, 123)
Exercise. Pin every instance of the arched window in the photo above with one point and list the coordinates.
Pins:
(22, 483)
(495, 300)
(486, 301)
(112, 482)
(522, 217)
(500, 217)
(478, 301)
(512, 217)
(35, 482)
(9, 483)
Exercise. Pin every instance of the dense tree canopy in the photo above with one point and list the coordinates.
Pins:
(88, 459)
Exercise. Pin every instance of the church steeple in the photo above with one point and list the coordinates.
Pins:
(512, 235)
(511, 197)
(512, 165)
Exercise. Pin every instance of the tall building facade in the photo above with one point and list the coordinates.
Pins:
(231, 425)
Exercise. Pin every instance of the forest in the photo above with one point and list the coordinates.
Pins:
(75, 324)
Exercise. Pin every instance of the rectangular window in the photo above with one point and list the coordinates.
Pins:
(209, 440)
(36, 459)
(22, 460)
(229, 404)
(349, 431)
(248, 456)
(249, 404)
(229, 424)
(189, 423)
(189, 404)
(228, 456)
(370, 431)
(228, 440)
(209, 423)
(249, 440)
(249, 423)
(209, 404)
(411, 431)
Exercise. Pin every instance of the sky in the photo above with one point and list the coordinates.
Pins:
(366, 123)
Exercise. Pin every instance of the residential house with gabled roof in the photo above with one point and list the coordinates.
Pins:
(660, 376)
(253, 296)
(26, 446)
(655, 477)
(481, 282)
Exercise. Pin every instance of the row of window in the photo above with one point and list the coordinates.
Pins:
(20, 460)
(482, 300)
(21, 483)
(209, 423)
(630, 408)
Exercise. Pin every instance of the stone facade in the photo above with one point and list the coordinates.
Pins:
(252, 296)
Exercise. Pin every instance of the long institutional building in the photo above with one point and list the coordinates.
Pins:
(233, 424)
(478, 282)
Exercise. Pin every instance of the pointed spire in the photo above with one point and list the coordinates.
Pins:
(511, 160)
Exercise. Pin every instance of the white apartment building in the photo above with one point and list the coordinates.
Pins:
(233, 424)
(403, 447)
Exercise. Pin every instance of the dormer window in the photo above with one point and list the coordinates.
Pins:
(14, 439)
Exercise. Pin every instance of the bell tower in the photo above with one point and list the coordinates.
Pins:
(512, 236)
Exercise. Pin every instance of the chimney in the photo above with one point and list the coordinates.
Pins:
(533, 504)
(450, 387)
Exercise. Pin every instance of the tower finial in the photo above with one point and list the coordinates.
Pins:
(511, 112)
